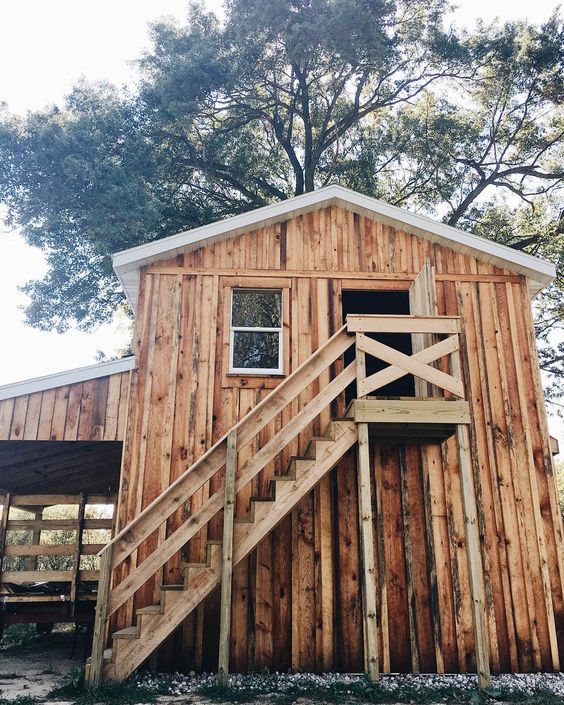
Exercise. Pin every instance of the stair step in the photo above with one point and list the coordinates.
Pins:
(127, 633)
(283, 478)
(156, 621)
(256, 498)
(312, 446)
(151, 609)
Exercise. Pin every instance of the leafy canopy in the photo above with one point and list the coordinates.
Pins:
(281, 97)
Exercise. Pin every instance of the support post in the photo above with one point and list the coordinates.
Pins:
(94, 672)
(77, 553)
(369, 566)
(369, 569)
(227, 559)
(472, 533)
(35, 538)
(4, 526)
(475, 569)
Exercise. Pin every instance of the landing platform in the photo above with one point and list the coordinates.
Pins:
(413, 419)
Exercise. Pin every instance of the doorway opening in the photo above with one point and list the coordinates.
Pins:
(387, 303)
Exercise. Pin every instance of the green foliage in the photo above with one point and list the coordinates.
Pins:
(280, 98)
(72, 688)
(17, 636)
(55, 537)
(20, 700)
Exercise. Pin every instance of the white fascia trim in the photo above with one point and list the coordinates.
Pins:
(61, 379)
(128, 262)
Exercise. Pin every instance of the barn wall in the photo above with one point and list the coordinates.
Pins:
(94, 410)
(296, 601)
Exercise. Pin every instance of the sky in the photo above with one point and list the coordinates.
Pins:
(45, 47)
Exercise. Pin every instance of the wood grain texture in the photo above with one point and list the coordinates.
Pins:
(87, 411)
(297, 598)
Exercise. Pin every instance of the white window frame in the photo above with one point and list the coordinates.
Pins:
(250, 329)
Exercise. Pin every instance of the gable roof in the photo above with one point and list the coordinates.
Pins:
(128, 262)
(62, 379)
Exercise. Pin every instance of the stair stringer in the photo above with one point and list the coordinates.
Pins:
(132, 646)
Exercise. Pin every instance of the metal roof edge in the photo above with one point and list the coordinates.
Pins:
(128, 262)
(60, 379)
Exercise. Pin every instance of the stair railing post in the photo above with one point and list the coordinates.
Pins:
(94, 670)
(227, 559)
(369, 570)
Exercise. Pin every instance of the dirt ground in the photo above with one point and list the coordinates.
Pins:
(35, 669)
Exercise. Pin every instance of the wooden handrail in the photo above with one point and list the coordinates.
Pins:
(140, 528)
(378, 323)
(211, 506)
(214, 459)
(419, 364)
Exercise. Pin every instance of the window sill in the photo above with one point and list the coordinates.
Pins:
(252, 381)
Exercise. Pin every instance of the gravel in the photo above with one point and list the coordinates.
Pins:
(504, 687)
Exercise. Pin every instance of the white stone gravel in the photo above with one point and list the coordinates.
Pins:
(504, 687)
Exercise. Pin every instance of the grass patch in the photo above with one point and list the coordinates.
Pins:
(20, 700)
(72, 688)
(19, 635)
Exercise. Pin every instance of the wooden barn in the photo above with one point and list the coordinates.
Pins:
(334, 451)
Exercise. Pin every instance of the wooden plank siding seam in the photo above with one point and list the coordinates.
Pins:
(297, 598)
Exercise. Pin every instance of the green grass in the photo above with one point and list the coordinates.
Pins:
(72, 688)
(19, 635)
(20, 700)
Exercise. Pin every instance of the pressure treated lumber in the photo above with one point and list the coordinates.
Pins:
(94, 668)
(227, 559)
(369, 574)
(321, 255)
(410, 364)
(411, 412)
(133, 645)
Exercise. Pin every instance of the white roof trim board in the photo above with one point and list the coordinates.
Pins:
(61, 379)
(128, 262)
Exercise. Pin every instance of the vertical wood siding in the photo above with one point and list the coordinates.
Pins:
(296, 598)
(93, 410)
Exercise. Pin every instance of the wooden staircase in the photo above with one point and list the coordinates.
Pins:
(133, 645)
(121, 561)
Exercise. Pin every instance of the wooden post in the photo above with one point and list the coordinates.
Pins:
(471, 530)
(475, 569)
(227, 559)
(4, 526)
(369, 569)
(94, 673)
(35, 538)
(77, 553)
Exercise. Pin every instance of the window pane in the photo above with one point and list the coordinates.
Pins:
(257, 309)
(252, 350)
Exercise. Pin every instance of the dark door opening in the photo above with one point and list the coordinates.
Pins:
(388, 303)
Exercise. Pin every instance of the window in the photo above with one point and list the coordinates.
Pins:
(256, 331)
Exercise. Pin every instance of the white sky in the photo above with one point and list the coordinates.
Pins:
(45, 46)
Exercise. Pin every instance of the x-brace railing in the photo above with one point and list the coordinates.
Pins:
(420, 363)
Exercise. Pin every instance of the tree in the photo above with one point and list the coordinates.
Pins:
(282, 97)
